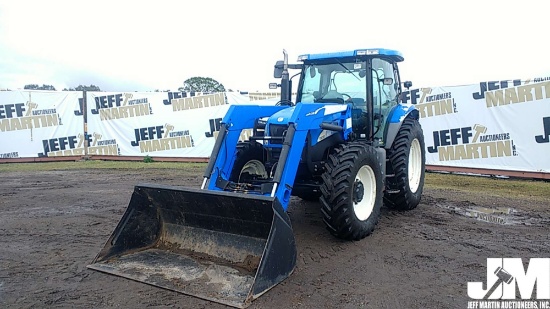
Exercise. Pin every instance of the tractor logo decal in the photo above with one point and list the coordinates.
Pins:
(329, 109)
(471, 143)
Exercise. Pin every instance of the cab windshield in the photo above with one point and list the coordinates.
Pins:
(340, 82)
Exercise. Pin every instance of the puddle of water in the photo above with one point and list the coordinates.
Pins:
(499, 215)
(496, 215)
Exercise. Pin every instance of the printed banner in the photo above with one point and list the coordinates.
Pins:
(161, 124)
(40, 124)
(493, 125)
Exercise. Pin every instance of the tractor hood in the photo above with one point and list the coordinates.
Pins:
(281, 117)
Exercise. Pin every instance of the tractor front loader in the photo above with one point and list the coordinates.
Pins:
(347, 143)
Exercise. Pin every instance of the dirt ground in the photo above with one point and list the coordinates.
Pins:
(52, 224)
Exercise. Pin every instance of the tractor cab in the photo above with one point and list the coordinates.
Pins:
(366, 79)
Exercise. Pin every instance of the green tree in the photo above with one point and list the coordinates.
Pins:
(84, 88)
(202, 84)
(36, 87)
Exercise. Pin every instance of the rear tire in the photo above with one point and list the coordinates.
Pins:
(249, 162)
(407, 162)
(352, 191)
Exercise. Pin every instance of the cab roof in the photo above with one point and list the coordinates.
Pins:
(394, 54)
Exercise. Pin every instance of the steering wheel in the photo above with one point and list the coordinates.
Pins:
(332, 94)
(349, 99)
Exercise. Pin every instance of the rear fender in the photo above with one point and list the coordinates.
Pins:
(395, 119)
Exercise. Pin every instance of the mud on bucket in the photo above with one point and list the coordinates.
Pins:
(224, 247)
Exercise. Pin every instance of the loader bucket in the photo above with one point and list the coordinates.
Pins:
(224, 247)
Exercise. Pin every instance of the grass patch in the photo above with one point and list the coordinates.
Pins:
(509, 188)
(95, 164)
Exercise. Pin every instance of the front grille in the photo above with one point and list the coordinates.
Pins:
(277, 130)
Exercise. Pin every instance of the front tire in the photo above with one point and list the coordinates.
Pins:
(352, 191)
(407, 162)
(249, 162)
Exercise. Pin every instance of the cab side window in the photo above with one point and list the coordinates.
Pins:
(387, 81)
(385, 85)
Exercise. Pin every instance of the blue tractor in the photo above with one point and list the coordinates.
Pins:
(347, 142)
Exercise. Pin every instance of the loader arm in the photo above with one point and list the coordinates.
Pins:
(237, 118)
(305, 117)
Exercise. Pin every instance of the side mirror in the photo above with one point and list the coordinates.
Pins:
(408, 84)
(273, 85)
(278, 71)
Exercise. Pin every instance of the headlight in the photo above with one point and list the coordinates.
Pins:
(324, 134)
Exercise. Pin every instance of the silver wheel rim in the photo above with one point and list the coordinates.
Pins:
(363, 209)
(254, 167)
(415, 165)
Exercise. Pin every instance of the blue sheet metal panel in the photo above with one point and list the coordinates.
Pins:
(400, 112)
(354, 53)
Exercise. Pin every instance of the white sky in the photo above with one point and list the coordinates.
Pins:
(148, 45)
